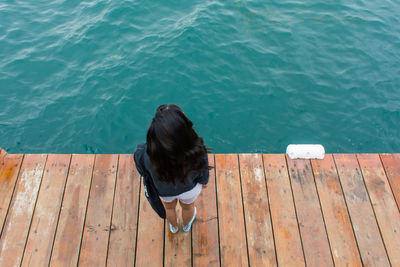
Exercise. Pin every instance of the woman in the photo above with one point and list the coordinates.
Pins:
(176, 159)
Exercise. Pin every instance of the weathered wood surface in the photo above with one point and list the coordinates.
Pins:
(73, 211)
(383, 203)
(288, 244)
(205, 228)
(259, 210)
(44, 222)
(340, 232)
(312, 228)
(260, 238)
(122, 243)
(16, 227)
(362, 216)
(150, 235)
(391, 162)
(9, 169)
(232, 233)
(177, 247)
(98, 215)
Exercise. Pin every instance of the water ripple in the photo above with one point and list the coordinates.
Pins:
(86, 76)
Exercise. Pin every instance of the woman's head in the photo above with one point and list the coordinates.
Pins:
(173, 146)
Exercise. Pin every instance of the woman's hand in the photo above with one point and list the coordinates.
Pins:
(204, 186)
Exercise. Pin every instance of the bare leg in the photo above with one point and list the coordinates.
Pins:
(171, 212)
(187, 213)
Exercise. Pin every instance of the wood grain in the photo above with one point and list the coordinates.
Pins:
(355, 199)
(3, 153)
(205, 228)
(122, 244)
(338, 224)
(258, 220)
(233, 242)
(391, 163)
(10, 165)
(313, 234)
(150, 239)
(177, 248)
(98, 216)
(16, 227)
(73, 209)
(361, 213)
(283, 215)
(45, 218)
(386, 211)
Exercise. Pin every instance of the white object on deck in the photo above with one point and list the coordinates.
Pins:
(305, 151)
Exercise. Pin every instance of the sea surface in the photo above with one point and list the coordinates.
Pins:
(253, 76)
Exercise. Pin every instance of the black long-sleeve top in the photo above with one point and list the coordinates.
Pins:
(169, 189)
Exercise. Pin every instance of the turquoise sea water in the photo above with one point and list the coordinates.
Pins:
(254, 76)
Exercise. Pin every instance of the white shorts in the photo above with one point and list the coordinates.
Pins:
(187, 197)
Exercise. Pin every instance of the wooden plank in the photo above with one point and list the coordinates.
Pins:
(98, 216)
(338, 224)
(205, 228)
(45, 217)
(313, 234)
(2, 153)
(256, 208)
(177, 248)
(391, 162)
(10, 165)
(384, 205)
(16, 227)
(233, 242)
(72, 215)
(121, 251)
(150, 236)
(362, 216)
(283, 215)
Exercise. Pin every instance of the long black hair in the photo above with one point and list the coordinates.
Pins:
(174, 148)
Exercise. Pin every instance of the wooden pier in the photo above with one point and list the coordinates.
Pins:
(258, 210)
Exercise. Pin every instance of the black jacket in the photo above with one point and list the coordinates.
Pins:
(160, 188)
(150, 191)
